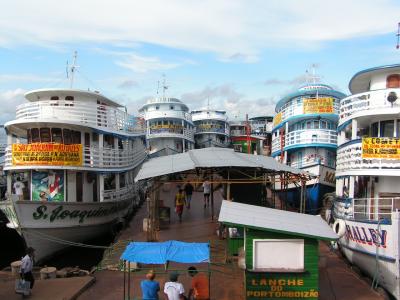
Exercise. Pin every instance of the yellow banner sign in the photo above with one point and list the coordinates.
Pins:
(318, 105)
(277, 119)
(46, 154)
(387, 148)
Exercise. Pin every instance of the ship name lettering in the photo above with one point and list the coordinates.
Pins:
(370, 236)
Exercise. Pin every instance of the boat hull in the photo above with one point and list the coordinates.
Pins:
(374, 249)
(50, 227)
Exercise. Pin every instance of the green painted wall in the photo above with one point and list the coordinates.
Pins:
(282, 285)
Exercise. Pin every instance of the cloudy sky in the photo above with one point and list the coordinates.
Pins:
(241, 56)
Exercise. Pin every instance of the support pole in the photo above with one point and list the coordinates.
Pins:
(228, 189)
(123, 298)
(212, 196)
(129, 280)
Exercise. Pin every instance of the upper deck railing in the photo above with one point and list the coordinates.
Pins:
(368, 101)
(96, 158)
(172, 114)
(171, 132)
(349, 157)
(85, 113)
(366, 209)
(310, 138)
(297, 109)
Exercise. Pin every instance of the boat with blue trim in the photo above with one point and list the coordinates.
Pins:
(70, 162)
(366, 210)
(304, 136)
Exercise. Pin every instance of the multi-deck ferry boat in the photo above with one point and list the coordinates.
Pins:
(304, 136)
(70, 161)
(366, 209)
(169, 126)
(262, 127)
(212, 128)
(242, 138)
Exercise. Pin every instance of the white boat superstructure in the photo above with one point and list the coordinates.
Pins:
(366, 210)
(71, 159)
(169, 126)
(211, 128)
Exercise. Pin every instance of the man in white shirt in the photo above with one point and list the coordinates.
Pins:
(173, 289)
(27, 266)
(19, 188)
(206, 192)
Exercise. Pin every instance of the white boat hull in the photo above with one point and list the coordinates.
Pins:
(45, 226)
(375, 250)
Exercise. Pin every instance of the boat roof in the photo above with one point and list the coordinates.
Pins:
(326, 90)
(276, 220)
(360, 82)
(262, 118)
(163, 100)
(36, 95)
(212, 157)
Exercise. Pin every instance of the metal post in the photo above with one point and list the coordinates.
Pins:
(212, 196)
(228, 189)
(123, 298)
(129, 280)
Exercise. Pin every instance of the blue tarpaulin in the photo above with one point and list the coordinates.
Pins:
(160, 253)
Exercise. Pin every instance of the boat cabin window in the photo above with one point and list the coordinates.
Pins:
(67, 136)
(69, 98)
(54, 98)
(45, 135)
(56, 135)
(69, 101)
(35, 135)
(393, 81)
(171, 107)
(375, 129)
(76, 137)
(387, 128)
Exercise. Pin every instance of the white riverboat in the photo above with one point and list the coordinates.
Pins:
(71, 159)
(169, 126)
(212, 128)
(366, 210)
(304, 136)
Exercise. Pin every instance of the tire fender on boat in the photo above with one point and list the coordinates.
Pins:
(339, 227)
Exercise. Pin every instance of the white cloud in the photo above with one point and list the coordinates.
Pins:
(142, 64)
(26, 78)
(226, 97)
(231, 29)
(9, 100)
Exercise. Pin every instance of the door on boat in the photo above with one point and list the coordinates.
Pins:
(299, 159)
(79, 186)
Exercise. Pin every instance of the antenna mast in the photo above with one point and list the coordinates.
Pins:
(165, 87)
(398, 36)
(73, 69)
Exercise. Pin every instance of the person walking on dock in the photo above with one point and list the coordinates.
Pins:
(188, 192)
(179, 203)
(19, 188)
(173, 289)
(200, 288)
(27, 266)
(206, 192)
(150, 287)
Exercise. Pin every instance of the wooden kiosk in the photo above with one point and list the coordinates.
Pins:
(281, 250)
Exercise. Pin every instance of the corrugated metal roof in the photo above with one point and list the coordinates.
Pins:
(275, 220)
(208, 158)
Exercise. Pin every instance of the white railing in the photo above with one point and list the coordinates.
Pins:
(368, 101)
(88, 114)
(349, 157)
(172, 114)
(187, 134)
(306, 162)
(121, 194)
(311, 136)
(308, 137)
(224, 131)
(93, 157)
(295, 109)
(366, 209)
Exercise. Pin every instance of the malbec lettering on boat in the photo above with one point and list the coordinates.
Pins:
(370, 236)
(60, 213)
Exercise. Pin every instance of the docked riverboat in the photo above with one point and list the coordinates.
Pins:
(304, 136)
(70, 161)
(366, 210)
(211, 128)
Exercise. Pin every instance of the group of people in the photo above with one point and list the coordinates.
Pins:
(184, 197)
(174, 290)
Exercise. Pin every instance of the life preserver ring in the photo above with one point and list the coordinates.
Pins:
(339, 227)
